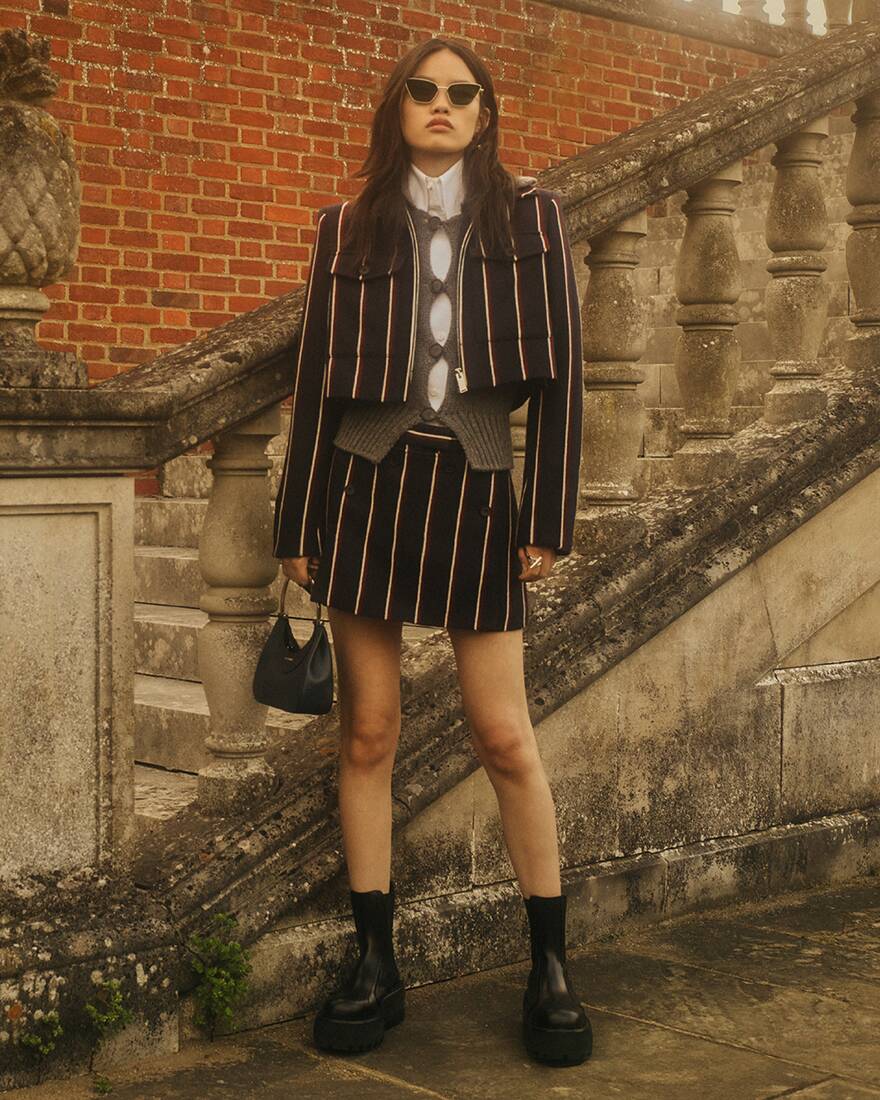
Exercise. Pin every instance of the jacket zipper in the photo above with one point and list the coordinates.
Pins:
(414, 311)
(459, 369)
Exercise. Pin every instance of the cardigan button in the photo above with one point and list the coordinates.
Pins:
(437, 285)
(429, 413)
(434, 222)
(436, 350)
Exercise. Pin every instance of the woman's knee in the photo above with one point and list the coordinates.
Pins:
(369, 739)
(506, 747)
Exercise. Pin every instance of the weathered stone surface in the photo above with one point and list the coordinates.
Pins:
(852, 635)
(834, 563)
(66, 689)
(830, 745)
(434, 853)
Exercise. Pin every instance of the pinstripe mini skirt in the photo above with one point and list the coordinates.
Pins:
(421, 537)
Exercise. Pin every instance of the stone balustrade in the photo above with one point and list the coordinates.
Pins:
(708, 287)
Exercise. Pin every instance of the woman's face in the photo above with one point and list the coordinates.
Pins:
(433, 149)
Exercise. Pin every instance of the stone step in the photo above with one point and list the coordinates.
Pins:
(178, 520)
(166, 639)
(159, 794)
(167, 575)
(186, 476)
(170, 575)
(168, 521)
(172, 722)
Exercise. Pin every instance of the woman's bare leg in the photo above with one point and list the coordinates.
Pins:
(368, 666)
(491, 677)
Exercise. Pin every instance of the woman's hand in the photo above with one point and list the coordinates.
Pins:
(543, 567)
(301, 570)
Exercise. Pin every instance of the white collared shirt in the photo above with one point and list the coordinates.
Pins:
(440, 195)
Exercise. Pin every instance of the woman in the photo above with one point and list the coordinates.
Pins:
(437, 302)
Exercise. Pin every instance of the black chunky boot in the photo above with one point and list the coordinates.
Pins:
(555, 1027)
(354, 1017)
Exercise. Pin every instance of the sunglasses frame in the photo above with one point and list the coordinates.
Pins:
(445, 88)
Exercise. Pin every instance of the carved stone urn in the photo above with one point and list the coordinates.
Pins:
(39, 214)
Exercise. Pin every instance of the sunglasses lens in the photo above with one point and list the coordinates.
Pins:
(462, 94)
(421, 89)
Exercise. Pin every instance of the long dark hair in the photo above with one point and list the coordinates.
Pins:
(378, 211)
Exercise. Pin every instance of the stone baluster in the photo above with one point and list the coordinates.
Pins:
(795, 15)
(865, 11)
(614, 341)
(862, 350)
(863, 243)
(237, 565)
(754, 9)
(836, 15)
(861, 190)
(796, 300)
(708, 284)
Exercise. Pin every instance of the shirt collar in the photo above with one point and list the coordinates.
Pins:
(441, 195)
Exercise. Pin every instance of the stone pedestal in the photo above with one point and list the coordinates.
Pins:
(66, 690)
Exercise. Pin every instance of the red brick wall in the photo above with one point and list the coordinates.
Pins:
(207, 131)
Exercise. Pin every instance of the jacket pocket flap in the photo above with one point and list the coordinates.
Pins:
(529, 243)
(346, 262)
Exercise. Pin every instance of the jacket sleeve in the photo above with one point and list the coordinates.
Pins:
(299, 504)
(554, 424)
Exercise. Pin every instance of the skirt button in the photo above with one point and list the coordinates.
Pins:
(485, 510)
(349, 489)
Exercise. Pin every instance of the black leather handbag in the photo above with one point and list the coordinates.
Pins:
(295, 678)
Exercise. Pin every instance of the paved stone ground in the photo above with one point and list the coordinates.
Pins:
(770, 1000)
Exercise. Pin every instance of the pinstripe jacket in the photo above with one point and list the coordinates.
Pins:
(518, 321)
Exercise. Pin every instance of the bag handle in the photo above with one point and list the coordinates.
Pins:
(317, 616)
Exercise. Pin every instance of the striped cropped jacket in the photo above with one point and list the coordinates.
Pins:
(518, 321)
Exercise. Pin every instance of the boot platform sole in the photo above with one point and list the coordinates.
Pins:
(558, 1046)
(359, 1035)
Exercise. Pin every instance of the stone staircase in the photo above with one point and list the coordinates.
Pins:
(171, 710)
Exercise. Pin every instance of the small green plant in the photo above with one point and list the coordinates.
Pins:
(222, 966)
(102, 1085)
(39, 1039)
(109, 1015)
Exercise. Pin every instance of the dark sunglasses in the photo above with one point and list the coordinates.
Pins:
(424, 90)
